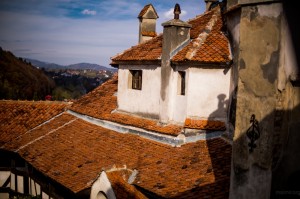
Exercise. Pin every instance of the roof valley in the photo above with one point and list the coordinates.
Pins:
(175, 141)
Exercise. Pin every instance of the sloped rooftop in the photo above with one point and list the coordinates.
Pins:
(18, 117)
(73, 152)
(207, 44)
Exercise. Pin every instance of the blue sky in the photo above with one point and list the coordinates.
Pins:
(74, 31)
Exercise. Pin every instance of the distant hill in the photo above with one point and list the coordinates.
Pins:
(19, 79)
(79, 66)
(84, 66)
(45, 65)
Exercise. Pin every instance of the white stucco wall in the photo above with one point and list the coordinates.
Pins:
(179, 102)
(208, 93)
(144, 102)
(102, 184)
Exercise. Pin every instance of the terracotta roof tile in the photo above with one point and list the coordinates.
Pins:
(199, 23)
(149, 34)
(101, 102)
(121, 187)
(205, 124)
(76, 152)
(30, 136)
(208, 44)
(147, 51)
(212, 47)
(17, 117)
(73, 152)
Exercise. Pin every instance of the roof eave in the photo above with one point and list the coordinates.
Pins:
(201, 64)
(116, 64)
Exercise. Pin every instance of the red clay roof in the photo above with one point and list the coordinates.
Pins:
(122, 189)
(149, 34)
(204, 124)
(17, 117)
(73, 153)
(101, 102)
(203, 48)
(147, 51)
(214, 48)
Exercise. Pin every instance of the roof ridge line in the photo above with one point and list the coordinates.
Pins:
(37, 139)
(197, 42)
(139, 44)
(34, 128)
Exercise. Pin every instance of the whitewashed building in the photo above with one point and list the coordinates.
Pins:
(180, 75)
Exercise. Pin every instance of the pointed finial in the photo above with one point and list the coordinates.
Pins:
(177, 11)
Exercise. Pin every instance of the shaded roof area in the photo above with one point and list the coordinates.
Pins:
(18, 117)
(73, 153)
(101, 103)
(208, 44)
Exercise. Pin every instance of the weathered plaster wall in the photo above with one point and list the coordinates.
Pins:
(179, 102)
(286, 161)
(208, 93)
(286, 153)
(257, 62)
(176, 33)
(146, 25)
(143, 102)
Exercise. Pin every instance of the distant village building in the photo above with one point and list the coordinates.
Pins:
(207, 109)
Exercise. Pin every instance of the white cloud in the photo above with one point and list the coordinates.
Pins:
(170, 13)
(62, 39)
(89, 12)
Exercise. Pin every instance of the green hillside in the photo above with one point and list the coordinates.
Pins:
(20, 80)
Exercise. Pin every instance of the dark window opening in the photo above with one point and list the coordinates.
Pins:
(181, 82)
(136, 79)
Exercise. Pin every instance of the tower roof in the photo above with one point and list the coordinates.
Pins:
(148, 12)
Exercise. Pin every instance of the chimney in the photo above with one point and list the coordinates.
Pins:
(176, 34)
(210, 4)
(147, 27)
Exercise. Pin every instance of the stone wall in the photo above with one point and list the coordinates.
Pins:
(265, 83)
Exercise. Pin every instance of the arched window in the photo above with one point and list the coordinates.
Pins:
(101, 195)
